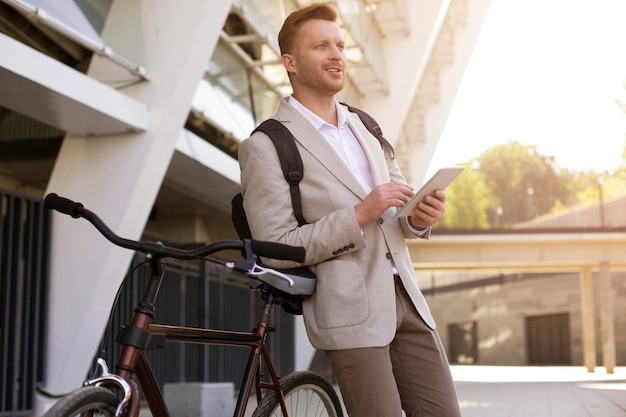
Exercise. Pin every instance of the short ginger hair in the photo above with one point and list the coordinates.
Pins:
(322, 11)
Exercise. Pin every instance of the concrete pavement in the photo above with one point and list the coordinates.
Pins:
(531, 391)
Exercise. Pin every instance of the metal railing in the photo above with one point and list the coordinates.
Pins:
(200, 294)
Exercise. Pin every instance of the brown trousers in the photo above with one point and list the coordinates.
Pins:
(410, 374)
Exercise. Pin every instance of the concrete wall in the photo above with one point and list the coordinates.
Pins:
(500, 311)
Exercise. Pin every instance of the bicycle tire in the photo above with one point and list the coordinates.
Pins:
(304, 391)
(101, 401)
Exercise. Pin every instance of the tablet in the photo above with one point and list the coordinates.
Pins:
(442, 178)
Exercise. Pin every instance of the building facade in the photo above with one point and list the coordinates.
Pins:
(550, 292)
(524, 319)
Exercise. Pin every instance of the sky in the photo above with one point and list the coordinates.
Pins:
(544, 73)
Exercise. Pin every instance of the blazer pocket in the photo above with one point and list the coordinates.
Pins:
(341, 297)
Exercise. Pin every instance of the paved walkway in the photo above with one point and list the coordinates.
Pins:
(502, 391)
(531, 391)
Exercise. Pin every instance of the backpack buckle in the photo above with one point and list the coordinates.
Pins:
(294, 177)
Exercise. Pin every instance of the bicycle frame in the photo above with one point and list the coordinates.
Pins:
(142, 335)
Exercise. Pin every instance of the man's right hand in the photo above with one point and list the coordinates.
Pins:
(382, 197)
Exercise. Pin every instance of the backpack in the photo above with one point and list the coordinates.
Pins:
(293, 171)
(291, 163)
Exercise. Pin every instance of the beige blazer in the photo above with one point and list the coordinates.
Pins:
(354, 302)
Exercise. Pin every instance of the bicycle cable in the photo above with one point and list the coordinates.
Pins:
(109, 327)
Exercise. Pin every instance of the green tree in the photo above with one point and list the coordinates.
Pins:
(468, 202)
(591, 187)
(511, 183)
(525, 183)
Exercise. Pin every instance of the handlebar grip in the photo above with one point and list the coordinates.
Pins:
(62, 205)
(278, 251)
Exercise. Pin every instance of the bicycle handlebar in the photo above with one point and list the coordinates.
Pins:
(266, 249)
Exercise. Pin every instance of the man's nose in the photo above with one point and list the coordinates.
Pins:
(336, 53)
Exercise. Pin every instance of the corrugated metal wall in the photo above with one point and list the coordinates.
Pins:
(200, 294)
(24, 233)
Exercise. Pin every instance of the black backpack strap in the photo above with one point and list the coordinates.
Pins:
(372, 125)
(238, 217)
(290, 160)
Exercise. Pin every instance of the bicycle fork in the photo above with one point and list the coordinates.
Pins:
(135, 339)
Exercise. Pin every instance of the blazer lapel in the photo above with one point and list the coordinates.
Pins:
(371, 147)
(318, 146)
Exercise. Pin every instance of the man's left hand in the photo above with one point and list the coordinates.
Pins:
(429, 211)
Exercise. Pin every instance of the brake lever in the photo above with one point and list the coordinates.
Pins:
(257, 271)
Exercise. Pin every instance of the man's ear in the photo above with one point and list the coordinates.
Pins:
(289, 62)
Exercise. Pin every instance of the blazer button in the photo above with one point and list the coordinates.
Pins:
(388, 255)
(335, 253)
(380, 220)
(346, 248)
(351, 245)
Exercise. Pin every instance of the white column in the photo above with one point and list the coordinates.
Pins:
(304, 351)
(118, 177)
(587, 319)
(406, 59)
(607, 326)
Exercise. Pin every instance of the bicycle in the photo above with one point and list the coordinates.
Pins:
(118, 394)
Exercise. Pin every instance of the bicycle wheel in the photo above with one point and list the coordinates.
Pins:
(100, 401)
(306, 394)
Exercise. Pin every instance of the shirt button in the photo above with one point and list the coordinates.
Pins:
(380, 220)
(388, 255)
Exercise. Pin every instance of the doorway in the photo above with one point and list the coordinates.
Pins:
(548, 339)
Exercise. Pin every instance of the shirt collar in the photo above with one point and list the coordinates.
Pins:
(314, 119)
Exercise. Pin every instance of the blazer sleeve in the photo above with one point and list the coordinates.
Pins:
(268, 207)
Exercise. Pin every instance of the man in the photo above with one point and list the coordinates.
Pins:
(367, 312)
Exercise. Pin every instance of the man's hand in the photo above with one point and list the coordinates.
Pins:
(429, 211)
(384, 196)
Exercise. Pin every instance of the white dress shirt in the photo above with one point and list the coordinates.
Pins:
(347, 146)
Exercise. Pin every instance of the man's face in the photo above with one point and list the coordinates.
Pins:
(317, 62)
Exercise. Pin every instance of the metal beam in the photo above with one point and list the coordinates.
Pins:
(80, 105)
(40, 16)
(520, 251)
